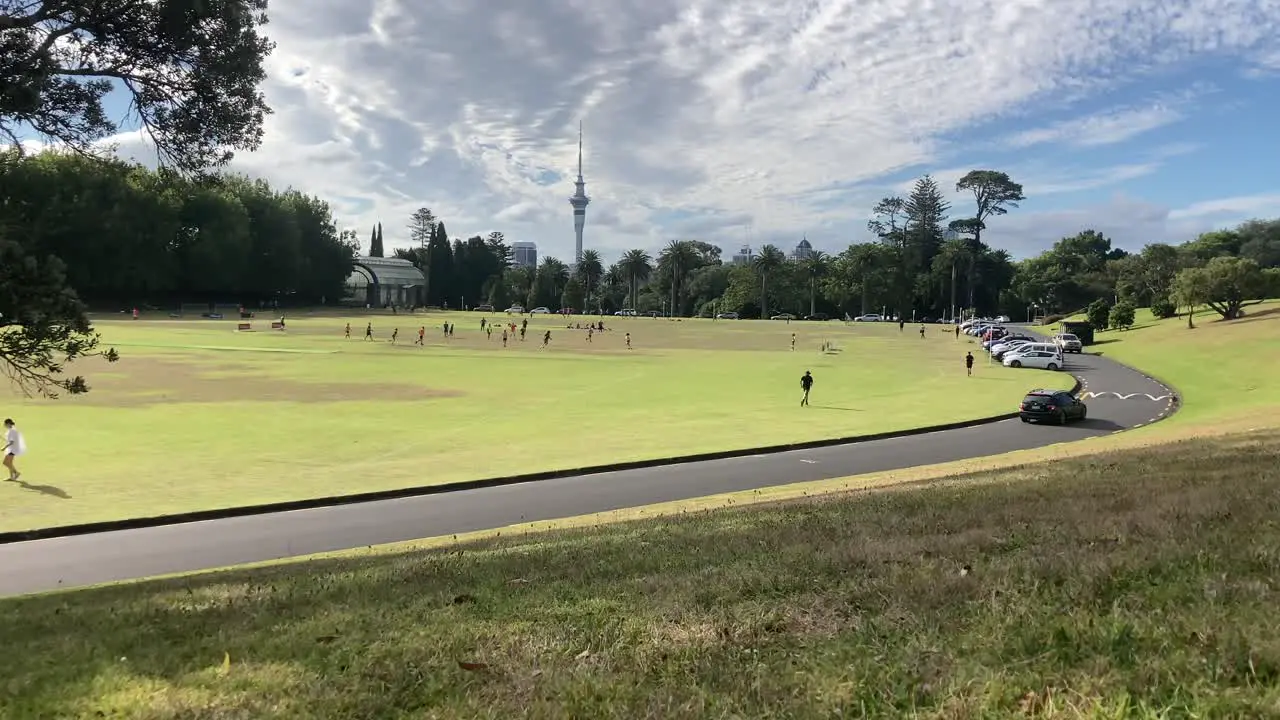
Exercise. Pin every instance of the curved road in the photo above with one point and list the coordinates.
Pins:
(1119, 398)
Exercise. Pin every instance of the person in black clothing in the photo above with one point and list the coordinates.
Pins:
(968, 364)
(546, 339)
(806, 384)
(901, 324)
(368, 331)
(957, 332)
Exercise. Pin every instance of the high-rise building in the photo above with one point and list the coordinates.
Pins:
(744, 256)
(524, 254)
(579, 201)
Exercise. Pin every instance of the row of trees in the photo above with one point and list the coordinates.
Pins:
(132, 235)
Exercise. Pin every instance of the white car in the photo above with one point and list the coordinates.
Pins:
(517, 309)
(869, 317)
(539, 311)
(1002, 319)
(626, 312)
(1038, 359)
(1003, 347)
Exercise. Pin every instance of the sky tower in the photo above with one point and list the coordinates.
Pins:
(579, 202)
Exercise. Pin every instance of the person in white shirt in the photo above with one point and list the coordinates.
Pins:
(14, 446)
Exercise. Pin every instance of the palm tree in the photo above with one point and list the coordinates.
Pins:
(951, 254)
(768, 261)
(636, 265)
(677, 259)
(589, 271)
(815, 266)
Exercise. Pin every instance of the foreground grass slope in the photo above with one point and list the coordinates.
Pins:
(1133, 584)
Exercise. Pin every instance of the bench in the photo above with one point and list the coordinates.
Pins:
(277, 325)
(243, 327)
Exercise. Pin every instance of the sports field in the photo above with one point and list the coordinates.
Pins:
(199, 416)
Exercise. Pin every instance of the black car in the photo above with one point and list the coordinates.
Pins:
(1059, 406)
(818, 317)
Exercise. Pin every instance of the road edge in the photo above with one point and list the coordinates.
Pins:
(16, 536)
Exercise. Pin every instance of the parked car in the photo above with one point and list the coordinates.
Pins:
(517, 309)
(1032, 358)
(483, 308)
(628, 312)
(727, 316)
(999, 351)
(540, 311)
(1069, 343)
(1002, 319)
(869, 317)
(783, 316)
(820, 317)
(1056, 405)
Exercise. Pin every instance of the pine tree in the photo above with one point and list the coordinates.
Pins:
(375, 242)
(381, 247)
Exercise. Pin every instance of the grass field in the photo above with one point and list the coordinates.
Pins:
(1134, 585)
(198, 416)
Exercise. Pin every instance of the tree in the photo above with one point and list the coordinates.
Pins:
(675, 262)
(190, 68)
(1190, 288)
(589, 271)
(815, 266)
(382, 248)
(766, 263)
(422, 226)
(573, 294)
(636, 265)
(1227, 284)
(43, 325)
(994, 193)
(440, 277)
(1121, 316)
(1098, 313)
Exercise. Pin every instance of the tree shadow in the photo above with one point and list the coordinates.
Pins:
(1268, 314)
(836, 407)
(50, 490)
(1103, 341)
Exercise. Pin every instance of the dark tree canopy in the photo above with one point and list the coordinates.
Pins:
(43, 325)
(192, 69)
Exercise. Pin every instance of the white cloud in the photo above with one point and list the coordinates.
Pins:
(781, 116)
(1105, 129)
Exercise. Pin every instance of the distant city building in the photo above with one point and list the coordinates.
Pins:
(803, 250)
(744, 256)
(524, 254)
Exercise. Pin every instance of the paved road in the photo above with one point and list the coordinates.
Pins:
(1118, 398)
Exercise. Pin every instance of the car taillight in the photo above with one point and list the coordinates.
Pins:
(1050, 407)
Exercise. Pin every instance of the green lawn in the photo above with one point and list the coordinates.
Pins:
(1225, 370)
(197, 416)
(1137, 585)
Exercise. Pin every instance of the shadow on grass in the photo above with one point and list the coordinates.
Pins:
(1130, 577)
(50, 490)
(1268, 314)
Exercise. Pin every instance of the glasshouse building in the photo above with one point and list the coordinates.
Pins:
(379, 282)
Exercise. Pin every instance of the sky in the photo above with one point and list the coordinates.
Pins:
(736, 121)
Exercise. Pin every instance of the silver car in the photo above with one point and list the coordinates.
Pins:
(1069, 343)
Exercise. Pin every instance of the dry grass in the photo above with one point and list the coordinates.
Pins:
(1137, 583)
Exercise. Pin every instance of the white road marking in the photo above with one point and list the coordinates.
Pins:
(811, 462)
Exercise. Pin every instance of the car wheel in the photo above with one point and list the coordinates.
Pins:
(1015, 364)
(1062, 417)
(1084, 412)
(1052, 366)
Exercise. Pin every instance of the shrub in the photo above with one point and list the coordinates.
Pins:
(1098, 313)
(1162, 307)
(1121, 316)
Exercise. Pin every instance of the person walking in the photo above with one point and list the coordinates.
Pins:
(957, 332)
(14, 446)
(806, 384)
(968, 364)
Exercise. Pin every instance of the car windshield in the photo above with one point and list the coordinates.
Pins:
(1070, 337)
(1038, 399)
